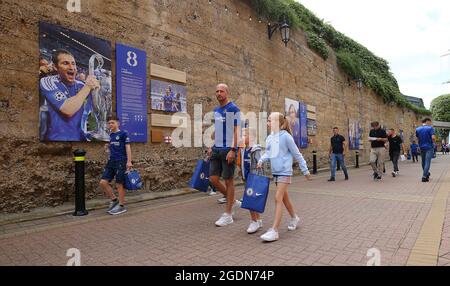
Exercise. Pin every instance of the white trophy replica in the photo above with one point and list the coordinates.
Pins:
(101, 98)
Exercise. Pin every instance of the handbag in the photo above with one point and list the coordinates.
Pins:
(133, 180)
(256, 193)
(200, 178)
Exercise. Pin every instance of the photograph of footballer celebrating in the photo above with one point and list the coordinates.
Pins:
(74, 85)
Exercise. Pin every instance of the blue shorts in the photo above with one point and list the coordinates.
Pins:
(115, 169)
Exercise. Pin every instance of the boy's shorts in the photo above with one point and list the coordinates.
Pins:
(219, 165)
(282, 179)
(115, 169)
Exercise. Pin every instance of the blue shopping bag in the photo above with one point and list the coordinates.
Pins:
(256, 193)
(200, 178)
(133, 180)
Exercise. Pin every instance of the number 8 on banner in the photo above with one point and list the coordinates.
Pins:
(132, 59)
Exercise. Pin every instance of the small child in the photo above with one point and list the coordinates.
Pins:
(414, 151)
(247, 160)
(119, 162)
(280, 150)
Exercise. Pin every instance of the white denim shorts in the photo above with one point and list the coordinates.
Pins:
(282, 179)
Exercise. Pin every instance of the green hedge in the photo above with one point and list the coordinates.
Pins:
(353, 58)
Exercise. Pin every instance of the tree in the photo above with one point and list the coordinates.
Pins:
(440, 108)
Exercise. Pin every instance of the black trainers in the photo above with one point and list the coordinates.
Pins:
(346, 178)
(378, 178)
(424, 180)
(332, 179)
(393, 174)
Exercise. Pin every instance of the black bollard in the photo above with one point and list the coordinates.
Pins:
(314, 162)
(80, 205)
(357, 159)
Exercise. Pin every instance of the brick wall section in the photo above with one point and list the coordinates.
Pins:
(208, 43)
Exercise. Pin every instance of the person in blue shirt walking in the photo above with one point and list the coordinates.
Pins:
(119, 162)
(425, 136)
(280, 151)
(414, 151)
(67, 98)
(222, 155)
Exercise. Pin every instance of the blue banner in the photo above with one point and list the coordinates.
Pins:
(354, 134)
(303, 125)
(131, 101)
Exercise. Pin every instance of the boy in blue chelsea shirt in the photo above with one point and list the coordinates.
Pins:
(119, 162)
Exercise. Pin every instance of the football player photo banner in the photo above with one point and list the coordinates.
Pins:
(353, 134)
(167, 96)
(75, 97)
(291, 109)
(303, 125)
(131, 101)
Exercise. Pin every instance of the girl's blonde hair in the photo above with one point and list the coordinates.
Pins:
(283, 122)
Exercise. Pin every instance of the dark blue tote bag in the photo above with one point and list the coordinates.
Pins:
(256, 193)
(133, 180)
(200, 178)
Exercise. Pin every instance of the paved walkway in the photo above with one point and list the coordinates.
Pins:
(406, 220)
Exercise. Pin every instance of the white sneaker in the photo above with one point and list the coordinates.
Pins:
(293, 223)
(222, 200)
(224, 220)
(212, 193)
(237, 205)
(254, 226)
(270, 235)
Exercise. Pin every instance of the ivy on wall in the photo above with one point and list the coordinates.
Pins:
(353, 58)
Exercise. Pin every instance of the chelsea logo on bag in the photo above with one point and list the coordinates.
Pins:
(202, 176)
(249, 192)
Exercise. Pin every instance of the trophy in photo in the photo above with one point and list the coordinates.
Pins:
(101, 98)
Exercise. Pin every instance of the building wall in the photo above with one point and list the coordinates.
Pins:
(207, 42)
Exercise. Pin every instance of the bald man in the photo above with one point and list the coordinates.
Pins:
(223, 153)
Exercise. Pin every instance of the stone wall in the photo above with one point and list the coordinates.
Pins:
(207, 42)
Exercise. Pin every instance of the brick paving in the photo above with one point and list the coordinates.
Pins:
(341, 221)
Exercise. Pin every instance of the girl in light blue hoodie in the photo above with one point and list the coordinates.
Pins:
(280, 151)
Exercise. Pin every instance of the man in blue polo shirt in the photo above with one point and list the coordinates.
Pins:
(68, 99)
(426, 138)
(223, 153)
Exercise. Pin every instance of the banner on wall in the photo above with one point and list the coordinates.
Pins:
(73, 65)
(303, 113)
(291, 108)
(167, 96)
(354, 134)
(131, 101)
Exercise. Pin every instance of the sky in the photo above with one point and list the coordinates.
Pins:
(411, 35)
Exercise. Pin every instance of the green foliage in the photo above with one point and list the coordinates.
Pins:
(440, 108)
(353, 58)
(318, 45)
(350, 64)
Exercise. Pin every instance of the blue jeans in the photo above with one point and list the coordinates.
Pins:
(340, 158)
(426, 155)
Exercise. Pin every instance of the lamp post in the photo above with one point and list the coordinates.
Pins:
(284, 31)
